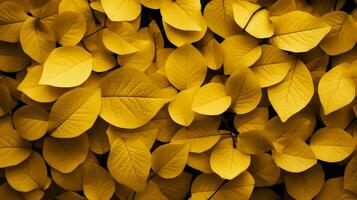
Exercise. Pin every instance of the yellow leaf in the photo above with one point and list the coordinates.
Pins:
(180, 108)
(187, 11)
(35, 91)
(169, 160)
(97, 183)
(12, 16)
(67, 67)
(12, 57)
(144, 57)
(185, 67)
(129, 163)
(103, 61)
(228, 162)
(332, 144)
(201, 135)
(253, 18)
(179, 37)
(253, 142)
(293, 155)
(175, 188)
(98, 139)
(245, 91)
(240, 51)
(69, 28)
(298, 31)
(200, 161)
(73, 180)
(13, 149)
(299, 126)
(152, 191)
(70, 118)
(336, 89)
(132, 101)
(340, 118)
(254, 120)
(342, 37)
(121, 10)
(28, 175)
(219, 17)
(293, 93)
(31, 122)
(307, 184)
(65, 155)
(213, 54)
(37, 39)
(119, 38)
(210, 186)
(146, 134)
(272, 66)
(264, 170)
(211, 99)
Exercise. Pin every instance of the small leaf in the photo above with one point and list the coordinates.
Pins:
(67, 67)
(332, 144)
(121, 10)
(227, 161)
(132, 101)
(293, 93)
(12, 17)
(73, 151)
(28, 175)
(69, 28)
(169, 160)
(293, 155)
(31, 122)
(336, 89)
(307, 184)
(201, 135)
(264, 170)
(129, 163)
(185, 67)
(211, 99)
(240, 51)
(13, 149)
(298, 31)
(97, 183)
(245, 91)
(70, 118)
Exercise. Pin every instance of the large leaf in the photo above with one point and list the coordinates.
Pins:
(219, 17)
(130, 101)
(121, 10)
(227, 161)
(72, 150)
(29, 175)
(298, 31)
(332, 144)
(67, 67)
(13, 149)
(293, 93)
(185, 67)
(70, 118)
(12, 58)
(336, 89)
(169, 160)
(129, 163)
(12, 17)
(97, 183)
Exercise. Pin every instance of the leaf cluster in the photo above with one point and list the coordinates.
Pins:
(224, 99)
